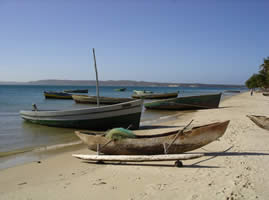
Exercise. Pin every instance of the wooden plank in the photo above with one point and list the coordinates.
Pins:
(138, 158)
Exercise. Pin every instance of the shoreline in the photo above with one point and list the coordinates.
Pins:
(30, 154)
(234, 167)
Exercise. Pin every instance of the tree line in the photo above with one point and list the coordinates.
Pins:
(260, 79)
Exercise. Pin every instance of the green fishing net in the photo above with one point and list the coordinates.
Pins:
(119, 133)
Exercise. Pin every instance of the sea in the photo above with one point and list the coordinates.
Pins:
(18, 138)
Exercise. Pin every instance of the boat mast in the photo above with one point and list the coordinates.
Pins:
(96, 74)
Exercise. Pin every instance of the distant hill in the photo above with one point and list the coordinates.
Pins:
(116, 83)
(11, 83)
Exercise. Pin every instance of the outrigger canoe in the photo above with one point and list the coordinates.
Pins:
(261, 121)
(179, 142)
(155, 95)
(57, 95)
(186, 103)
(98, 118)
(85, 99)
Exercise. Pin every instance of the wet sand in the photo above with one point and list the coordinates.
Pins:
(235, 166)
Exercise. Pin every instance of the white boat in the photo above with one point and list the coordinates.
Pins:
(98, 118)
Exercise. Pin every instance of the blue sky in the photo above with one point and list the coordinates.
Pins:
(145, 40)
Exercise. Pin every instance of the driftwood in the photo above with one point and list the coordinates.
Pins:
(137, 158)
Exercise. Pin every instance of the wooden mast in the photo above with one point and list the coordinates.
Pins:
(96, 74)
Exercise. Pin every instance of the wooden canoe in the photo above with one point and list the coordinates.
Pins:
(186, 103)
(102, 100)
(261, 121)
(77, 91)
(97, 118)
(154, 144)
(155, 95)
(265, 93)
(57, 95)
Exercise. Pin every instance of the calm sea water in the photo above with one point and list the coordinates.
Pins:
(18, 136)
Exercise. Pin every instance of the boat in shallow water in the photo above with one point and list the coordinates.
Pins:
(98, 118)
(57, 95)
(261, 121)
(155, 95)
(139, 92)
(186, 103)
(232, 91)
(178, 142)
(120, 89)
(85, 99)
(77, 91)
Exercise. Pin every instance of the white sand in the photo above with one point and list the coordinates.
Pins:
(240, 172)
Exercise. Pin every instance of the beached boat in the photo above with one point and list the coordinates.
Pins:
(265, 93)
(232, 91)
(186, 103)
(57, 95)
(173, 142)
(155, 95)
(77, 91)
(261, 121)
(120, 89)
(139, 92)
(97, 118)
(102, 100)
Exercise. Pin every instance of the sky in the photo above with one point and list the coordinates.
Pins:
(179, 41)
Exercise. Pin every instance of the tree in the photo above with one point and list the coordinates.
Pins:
(264, 71)
(260, 80)
(255, 81)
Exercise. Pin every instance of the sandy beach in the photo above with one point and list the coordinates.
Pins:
(234, 167)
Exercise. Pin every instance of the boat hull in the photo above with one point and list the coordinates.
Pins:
(102, 100)
(154, 144)
(186, 103)
(155, 96)
(76, 91)
(139, 92)
(261, 121)
(100, 118)
(120, 89)
(57, 95)
(232, 91)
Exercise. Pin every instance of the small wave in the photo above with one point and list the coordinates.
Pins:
(57, 146)
(9, 114)
(38, 149)
(16, 151)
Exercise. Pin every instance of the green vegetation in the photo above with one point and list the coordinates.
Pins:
(260, 80)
